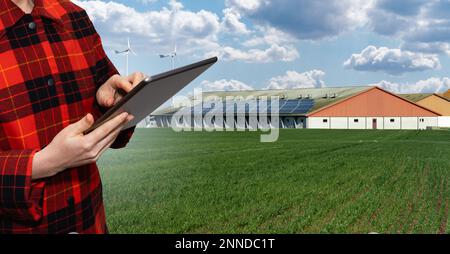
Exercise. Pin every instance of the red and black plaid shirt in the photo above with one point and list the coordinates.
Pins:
(51, 64)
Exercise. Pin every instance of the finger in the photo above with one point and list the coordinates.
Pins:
(117, 98)
(136, 78)
(117, 130)
(91, 160)
(106, 128)
(83, 124)
(104, 149)
(105, 96)
(123, 83)
(104, 144)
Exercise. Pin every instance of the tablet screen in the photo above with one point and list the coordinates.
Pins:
(154, 91)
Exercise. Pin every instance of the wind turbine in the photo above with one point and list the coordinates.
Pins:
(126, 52)
(172, 56)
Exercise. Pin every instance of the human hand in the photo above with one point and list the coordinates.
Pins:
(112, 91)
(71, 148)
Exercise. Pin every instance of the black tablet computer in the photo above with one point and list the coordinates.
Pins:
(152, 92)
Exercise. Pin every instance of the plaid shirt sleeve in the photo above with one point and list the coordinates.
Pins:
(105, 70)
(20, 199)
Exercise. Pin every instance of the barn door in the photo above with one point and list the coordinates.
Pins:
(374, 124)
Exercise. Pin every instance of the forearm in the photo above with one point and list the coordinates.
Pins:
(44, 165)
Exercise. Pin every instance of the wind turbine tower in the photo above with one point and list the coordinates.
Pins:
(126, 52)
(172, 56)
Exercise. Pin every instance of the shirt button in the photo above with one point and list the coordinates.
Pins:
(51, 82)
(32, 25)
(70, 201)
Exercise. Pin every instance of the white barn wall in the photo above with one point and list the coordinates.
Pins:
(360, 124)
(317, 123)
(388, 125)
(405, 123)
(444, 121)
(339, 122)
(428, 122)
(409, 123)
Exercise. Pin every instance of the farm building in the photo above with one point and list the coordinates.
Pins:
(360, 107)
(447, 94)
(435, 102)
(374, 108)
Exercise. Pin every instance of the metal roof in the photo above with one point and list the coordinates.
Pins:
(369, 102)
(415, 97)
(321, 96)
(447, 94)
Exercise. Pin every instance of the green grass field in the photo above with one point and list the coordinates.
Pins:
(310, 181)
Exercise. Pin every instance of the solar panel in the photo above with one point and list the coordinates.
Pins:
(304, 106)
(301, 106)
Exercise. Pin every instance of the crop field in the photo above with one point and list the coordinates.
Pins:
(310, 181)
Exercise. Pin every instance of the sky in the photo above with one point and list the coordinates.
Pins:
(400, 45)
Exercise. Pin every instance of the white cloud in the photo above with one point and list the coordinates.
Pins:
(147, 1)
(386, 23)
(421, 24)
(269, 36)
(245, 5)
(431, 85)
(231, 22)
(402, 7)
(430, 31)
(305, 19)
(195, 33)
(418, 22)
(290, 80)
(427, 48)
(391, 61)
(157, 29)
(271, 54)
(225, 85)
(293, 79)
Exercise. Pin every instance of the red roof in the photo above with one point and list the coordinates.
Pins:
(374, 102)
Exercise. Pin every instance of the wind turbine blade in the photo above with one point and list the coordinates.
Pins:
(128, 41)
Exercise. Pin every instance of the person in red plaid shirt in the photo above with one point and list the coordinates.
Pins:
(55, 80)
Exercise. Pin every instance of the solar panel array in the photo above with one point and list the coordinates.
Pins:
(300, 106)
